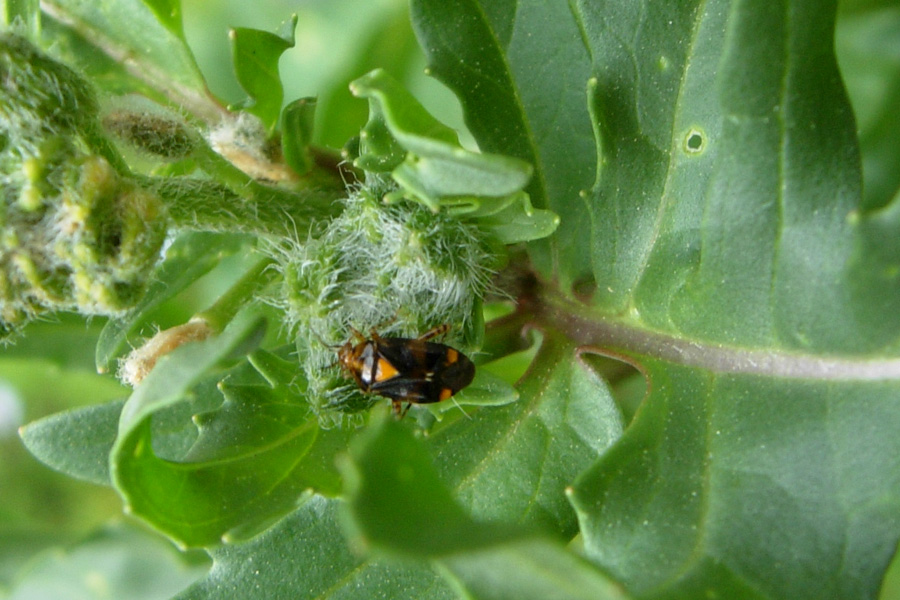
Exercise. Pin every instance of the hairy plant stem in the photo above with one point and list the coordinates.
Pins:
(203, 205)
(223, 311)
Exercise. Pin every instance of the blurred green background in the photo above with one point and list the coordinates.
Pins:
(61, 538)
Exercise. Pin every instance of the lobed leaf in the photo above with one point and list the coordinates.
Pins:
(297, 122)
(512, 463)
(725, 214)
(144, 36)
(425, 158)
(731, 173)
(117, 562)
(751, 486)
(521, 75)
(76, 442)
(868, 50)
(391, 474)
(249, 459)
(168, 12)
(304, 556)
(256, 54)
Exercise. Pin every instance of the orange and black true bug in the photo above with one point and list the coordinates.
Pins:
(411, 370)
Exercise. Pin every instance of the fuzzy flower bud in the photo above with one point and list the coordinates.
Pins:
(75, 234)
(149, 128)
(399, 268)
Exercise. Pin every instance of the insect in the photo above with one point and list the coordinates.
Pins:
(410, 370)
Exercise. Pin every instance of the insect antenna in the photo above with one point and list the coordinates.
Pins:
(457, 404)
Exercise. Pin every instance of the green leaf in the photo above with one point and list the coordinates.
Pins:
(521, 222)
(734, 186)
(117, 562)
(190, 256)
(168, 12)
(256, 54)
(247, 463)
(485, 390)
(76, 442)
(748, 487)
(536, 446)
(391, 474)
(388, 39)
(868, 48)
(304, 556)
(529, 568)
(145, 33)
(422, 154)
(297, 121)
(390, 470)
(521, 75)
(21, 13)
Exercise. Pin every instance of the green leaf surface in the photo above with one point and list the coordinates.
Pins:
(745, 486)
(520, 222)
(76, 442)
(485, 390)
(250, 459)
(529, 568)
(521, 77)
(388, 40)
(304, 556)
(726, 214)
(297, 121)
(168, 12)
(727, 207)
(391, 473)
(868, 47)
(256, 54)
(118, 562)
(512, 463)
(391, 470)
(21, 13)
(144, 36)
(422, 154)
(190, 256)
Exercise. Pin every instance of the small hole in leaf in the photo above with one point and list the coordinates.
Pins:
(694, 142)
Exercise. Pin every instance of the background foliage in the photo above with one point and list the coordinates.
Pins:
(728, 226)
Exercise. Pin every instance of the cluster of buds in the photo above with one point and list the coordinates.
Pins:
(76, 231)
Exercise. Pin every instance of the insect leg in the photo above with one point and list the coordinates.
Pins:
(439, 330)
(406, 410)
(399, 411)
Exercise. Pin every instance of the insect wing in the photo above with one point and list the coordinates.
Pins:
(424, 372)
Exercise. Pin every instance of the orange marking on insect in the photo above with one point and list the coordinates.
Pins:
(385, 371)
(452, 356)
(445, 393)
